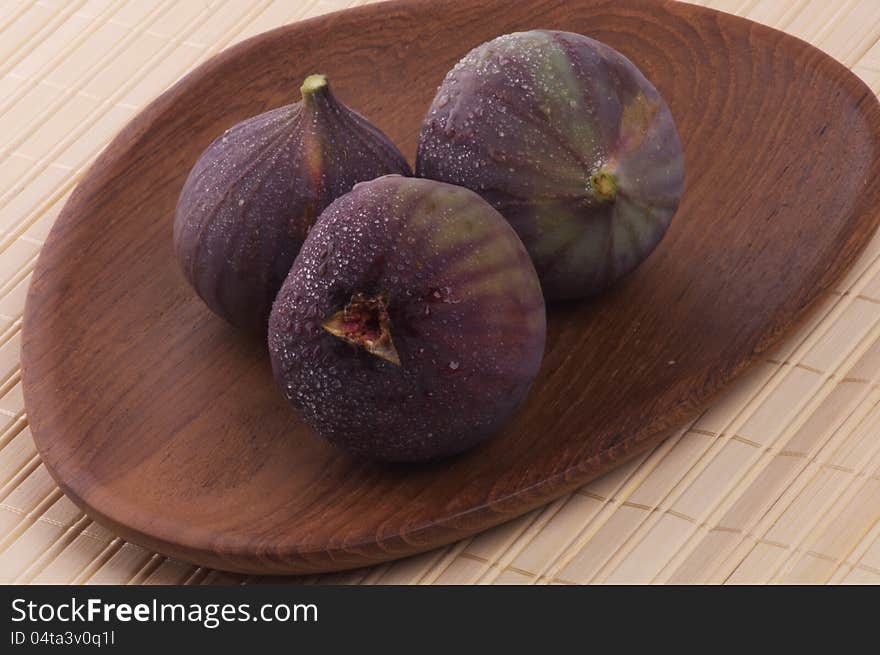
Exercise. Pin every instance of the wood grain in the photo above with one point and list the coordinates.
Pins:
(164, 423)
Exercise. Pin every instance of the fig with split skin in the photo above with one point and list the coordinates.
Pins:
(411, 324)
(251, 198)
(570, 142)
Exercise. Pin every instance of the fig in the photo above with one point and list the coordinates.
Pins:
(411, 324)
(253, 195)
(570, 142)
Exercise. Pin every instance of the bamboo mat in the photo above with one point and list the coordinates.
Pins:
(778, 482)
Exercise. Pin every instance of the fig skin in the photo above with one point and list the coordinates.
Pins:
(417, 272)
(570, 142)
(253, 195)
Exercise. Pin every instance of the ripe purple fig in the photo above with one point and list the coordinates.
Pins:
(253, 195)
(411, 324)
(568, 140)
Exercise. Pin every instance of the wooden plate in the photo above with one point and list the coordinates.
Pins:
(165, 425)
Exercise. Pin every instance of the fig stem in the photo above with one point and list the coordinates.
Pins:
(365, 322)
(604, 186)
(313, 84)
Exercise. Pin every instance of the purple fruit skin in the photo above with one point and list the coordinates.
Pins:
(253, 195)
(527, 119)
(467, 319)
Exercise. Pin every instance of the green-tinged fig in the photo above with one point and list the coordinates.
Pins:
(568, 140)
(253, 195)
(411, 324)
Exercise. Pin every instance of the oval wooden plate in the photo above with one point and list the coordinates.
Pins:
(165, 424)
